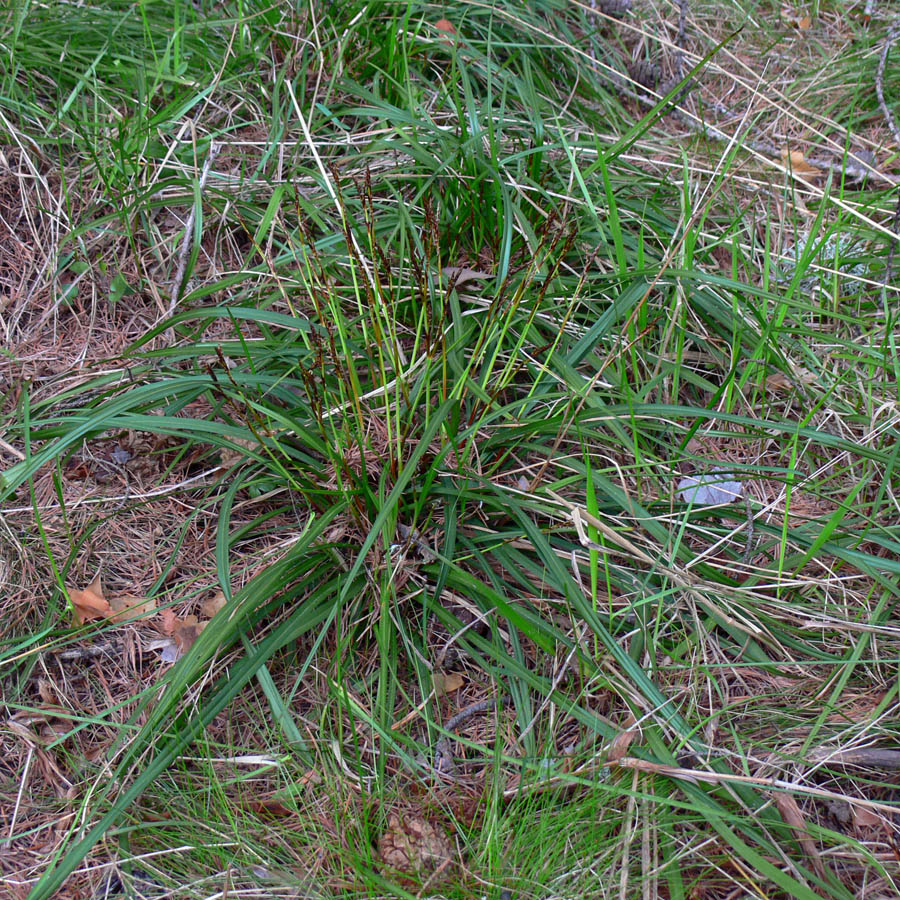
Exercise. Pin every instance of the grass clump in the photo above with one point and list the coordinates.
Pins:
(399, 325)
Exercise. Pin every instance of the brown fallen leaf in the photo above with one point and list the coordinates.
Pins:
(459, 275)
(127, 606)
(621, 742)
(448, 28)
(211, 606)
(793, 817)
(186, 633)
(778, 382)
(797, 165)
(230, 457)
(446, 683)
(90, 603)
(270, 809)
(865, 818)
(169, 619)
(800, 21)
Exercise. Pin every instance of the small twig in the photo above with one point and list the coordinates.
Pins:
(413, 539)
(443, 758)
(865, 757)
(889, 266)
(178, 283)
(23, 781)
(748, 549)
(680, 38)
(893, 31)
(879, 81)
(694, 776)
(11, 450)
(614, 8)
(88, 651)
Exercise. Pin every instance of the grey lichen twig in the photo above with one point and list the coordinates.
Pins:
(893, 31)
(613, 8)
(443, 757)
(889, 265)
(681, 38)
(751, 537)
(184, 253)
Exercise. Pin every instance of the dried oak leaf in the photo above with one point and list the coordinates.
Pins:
(799, 20)
(186, 633)
(271, 808)
(169, 620)
(448, 28)
(797, 165)
(414, 845)
(127, 606)
(446, 682)
(457, 276)
(90, 603)
(778, 382)
(231, 457)
(618, 749)
(211, 606)
(865, 818)
(793, 817)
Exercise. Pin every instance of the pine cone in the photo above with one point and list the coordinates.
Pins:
(414, 845)
(645, 73)
(617, 8)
